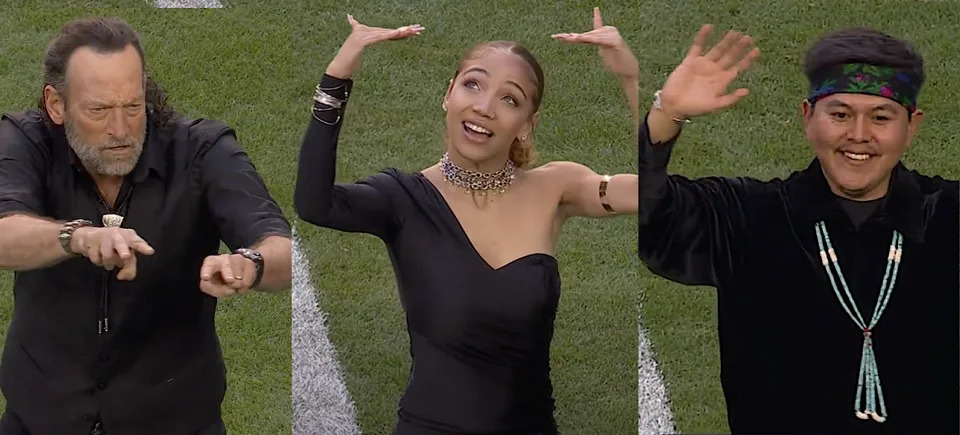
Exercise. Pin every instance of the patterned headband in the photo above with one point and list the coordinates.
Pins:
(860, 78)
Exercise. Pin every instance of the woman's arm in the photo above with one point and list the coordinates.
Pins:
(356, 207)
(584, 192)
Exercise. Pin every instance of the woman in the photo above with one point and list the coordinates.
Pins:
(471, 238)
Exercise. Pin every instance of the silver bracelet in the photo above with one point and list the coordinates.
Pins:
(657, 105)
(314, 111)
(325, 99)
(346, 93)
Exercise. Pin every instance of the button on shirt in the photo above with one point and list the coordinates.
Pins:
(158, 367)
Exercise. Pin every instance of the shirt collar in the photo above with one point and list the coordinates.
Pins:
(902, 209)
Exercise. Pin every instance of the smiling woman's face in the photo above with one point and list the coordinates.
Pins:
(491, 103)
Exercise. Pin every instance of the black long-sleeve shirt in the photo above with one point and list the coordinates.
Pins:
(479, 336)
(790, 354)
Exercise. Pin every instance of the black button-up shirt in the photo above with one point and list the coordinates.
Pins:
(158, 369)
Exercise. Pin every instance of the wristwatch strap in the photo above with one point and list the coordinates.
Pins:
(257, 259)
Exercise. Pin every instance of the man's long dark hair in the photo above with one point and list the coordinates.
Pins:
(105, 35)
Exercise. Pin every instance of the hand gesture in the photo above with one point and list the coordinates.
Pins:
(227, 274)
(111, 247)
(699, 84)
(614, 51)
(347, 60)
(365, 35)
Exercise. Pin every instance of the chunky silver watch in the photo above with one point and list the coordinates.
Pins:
(257, 259)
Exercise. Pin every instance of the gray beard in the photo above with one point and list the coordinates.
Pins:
(94, 156)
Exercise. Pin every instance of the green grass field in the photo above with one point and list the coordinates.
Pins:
(762, 137)
(255, 67)
(395, 120)
(233, 65)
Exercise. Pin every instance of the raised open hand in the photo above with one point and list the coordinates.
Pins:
(614, 51)
(347, 60)
(699, 84)
(365, 35)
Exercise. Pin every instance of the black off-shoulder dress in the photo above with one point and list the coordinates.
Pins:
(479, 336)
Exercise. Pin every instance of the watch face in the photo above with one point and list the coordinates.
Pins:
(257, 259)
(251, 254)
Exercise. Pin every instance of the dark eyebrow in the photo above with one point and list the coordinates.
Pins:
(518, 88)
(840, 104)
(477, 69)
(484, 72)
(887, 106)
(96, 104)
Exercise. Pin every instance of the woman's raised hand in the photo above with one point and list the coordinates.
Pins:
(347, 60)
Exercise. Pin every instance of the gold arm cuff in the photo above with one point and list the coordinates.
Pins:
(603, 194)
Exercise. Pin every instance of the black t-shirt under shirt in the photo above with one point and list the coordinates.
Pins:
(859, 211)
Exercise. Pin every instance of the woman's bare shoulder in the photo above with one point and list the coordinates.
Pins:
(560, 171)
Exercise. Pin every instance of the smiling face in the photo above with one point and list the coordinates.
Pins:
(103, 114)
(491, 106)
(858, 140)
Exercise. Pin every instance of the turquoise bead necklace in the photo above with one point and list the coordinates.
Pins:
(869, 379)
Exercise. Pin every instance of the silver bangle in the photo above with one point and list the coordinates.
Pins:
(345, 92)
(657, 105)
(314, 111)
(325, 99)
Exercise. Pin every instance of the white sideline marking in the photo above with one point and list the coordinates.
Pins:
(654, 406)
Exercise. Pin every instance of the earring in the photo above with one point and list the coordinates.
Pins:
(523, 138)
(444, 106)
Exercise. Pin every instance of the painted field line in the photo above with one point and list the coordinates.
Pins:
(654, 404)
(187, 4)
(321, 402)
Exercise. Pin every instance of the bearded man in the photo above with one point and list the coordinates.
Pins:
(112, 210)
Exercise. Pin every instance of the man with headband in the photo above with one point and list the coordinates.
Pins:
(837, 286)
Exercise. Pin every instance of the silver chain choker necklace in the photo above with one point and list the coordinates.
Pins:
(477, 182)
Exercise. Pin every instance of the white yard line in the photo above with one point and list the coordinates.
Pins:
(190, 4)
(654, 405)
